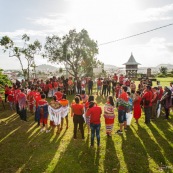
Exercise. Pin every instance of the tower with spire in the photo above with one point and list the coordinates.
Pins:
(131, 67)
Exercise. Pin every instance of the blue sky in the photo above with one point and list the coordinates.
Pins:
(104, 20)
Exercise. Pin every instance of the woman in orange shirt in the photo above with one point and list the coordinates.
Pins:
(64, 102)
(77, 111)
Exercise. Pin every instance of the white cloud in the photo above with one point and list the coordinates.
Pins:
(151, 14)
(20, 32)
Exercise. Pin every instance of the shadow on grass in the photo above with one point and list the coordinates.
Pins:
(111, 162)
(166, 128)
(152, 148)
(135, 154)
(23, 148)
(77, 156)
(164, 144)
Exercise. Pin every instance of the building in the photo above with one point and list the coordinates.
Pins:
(131, 67)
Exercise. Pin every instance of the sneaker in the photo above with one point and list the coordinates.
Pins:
(119, 132)
(47, 131)
(42, 130)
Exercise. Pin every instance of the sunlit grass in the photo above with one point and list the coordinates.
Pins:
(141, 149)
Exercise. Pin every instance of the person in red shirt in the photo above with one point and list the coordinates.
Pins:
(55, 87)
(91, 98)
(30, 98)
(42, 85)
(37, 97)
(99, 86)
(147, 97)
(50, 93)
(115, 77)
(11, 98)
(58, 94)
(77, 111)
(94, 112)
(121, 79)
(123, 108)
(22, 105)
(117, 90)
(154, 101)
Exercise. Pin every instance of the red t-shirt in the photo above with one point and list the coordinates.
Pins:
(121, 78)
(16, 94)
(99, 83)
(42, 102)
(58, 95)
(37, 98)
(148, 97)
(127, 83)
(124, 96)
(55, 84)
(115, 77)
(11, 96)
(50, 86)
(77, 109)
(42, 86)
(95, 114)
(6, 90)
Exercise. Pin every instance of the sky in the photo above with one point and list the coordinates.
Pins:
(105, 21)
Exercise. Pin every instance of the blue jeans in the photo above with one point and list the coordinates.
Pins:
(121, 116)
(95, 128)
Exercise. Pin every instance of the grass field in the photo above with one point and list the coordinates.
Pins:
(142, 149)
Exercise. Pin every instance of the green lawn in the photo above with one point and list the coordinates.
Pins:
(141, 149)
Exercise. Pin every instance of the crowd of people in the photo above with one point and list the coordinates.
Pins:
(121, 93)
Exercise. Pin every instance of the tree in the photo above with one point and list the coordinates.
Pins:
(14, 51)
(4, 79)
(163, 70)
(28, 51)
(76, 51)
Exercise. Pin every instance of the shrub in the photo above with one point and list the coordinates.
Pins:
(161, 75)
(169, 75)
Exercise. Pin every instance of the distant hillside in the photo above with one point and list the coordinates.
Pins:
(108, 67)
(46, 68)
(169, 66)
